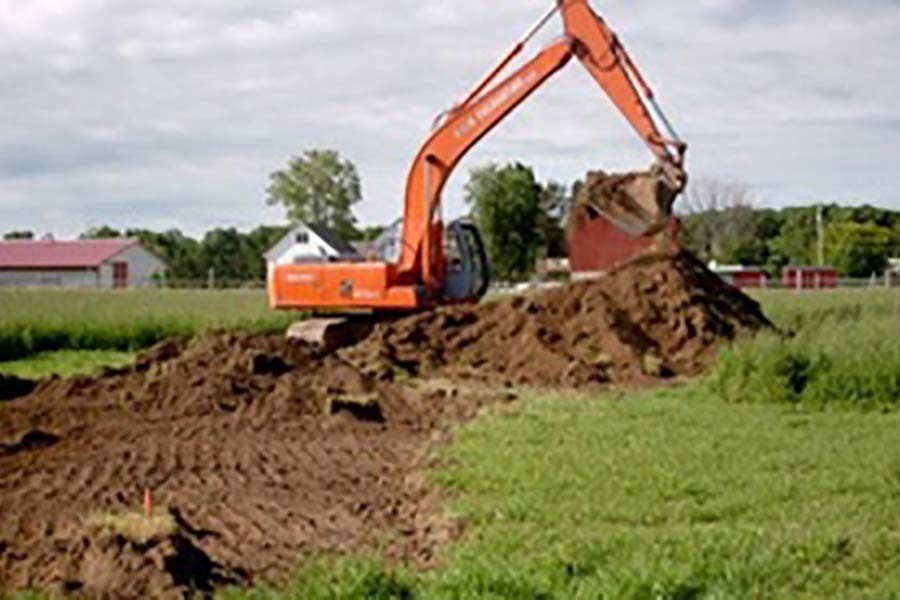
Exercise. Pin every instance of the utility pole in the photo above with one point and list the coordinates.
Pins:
(820, 236)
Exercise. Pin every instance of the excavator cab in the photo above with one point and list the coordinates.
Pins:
(467, 270)
(466, 266)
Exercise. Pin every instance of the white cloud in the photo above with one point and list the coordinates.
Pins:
(439, 12)
(163, 113)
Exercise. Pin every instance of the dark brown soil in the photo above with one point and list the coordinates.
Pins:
(638, 202)
(13, 387)
(263, 450)
(660, 316)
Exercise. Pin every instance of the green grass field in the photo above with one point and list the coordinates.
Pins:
(33, 321)
(66, 363)
(775, 476)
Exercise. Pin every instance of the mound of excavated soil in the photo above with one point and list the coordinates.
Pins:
(262, 450)
(659, 316)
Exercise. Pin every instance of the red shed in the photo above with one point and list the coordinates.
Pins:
(743, 277)
(596, 244)
(809, 278)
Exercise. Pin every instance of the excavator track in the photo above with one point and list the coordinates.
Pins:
(333, 333)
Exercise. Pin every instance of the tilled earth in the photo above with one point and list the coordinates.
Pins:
(263, 450)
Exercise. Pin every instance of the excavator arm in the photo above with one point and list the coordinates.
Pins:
(597, 47)
(420, 277)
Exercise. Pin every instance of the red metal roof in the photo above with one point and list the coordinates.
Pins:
(26, 254)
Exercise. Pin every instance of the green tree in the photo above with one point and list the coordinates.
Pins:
(256, 244)
(370, 233)
(178, 251)
(19, 235)
(555, 204)
(104, 232)
(858, 250)
(318, 187)
(795, 243)
(507, 204)
(895, 250)
(753, 249)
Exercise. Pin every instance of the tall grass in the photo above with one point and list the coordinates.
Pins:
(838, 349)
(34, 321)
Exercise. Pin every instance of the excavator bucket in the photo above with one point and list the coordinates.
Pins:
(638, 203)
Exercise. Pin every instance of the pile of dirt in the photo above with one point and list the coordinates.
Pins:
(662, 315)
(262, 450)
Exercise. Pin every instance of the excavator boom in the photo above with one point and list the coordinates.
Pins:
(418, 278)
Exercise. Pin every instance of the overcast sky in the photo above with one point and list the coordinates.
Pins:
(171, 114)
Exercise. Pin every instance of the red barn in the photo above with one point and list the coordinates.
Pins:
(809, 278)
(112, 263)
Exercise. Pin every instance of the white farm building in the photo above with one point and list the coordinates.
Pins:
(112, 263)
(309, 242)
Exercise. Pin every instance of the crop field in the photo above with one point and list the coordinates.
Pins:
(33, 321)
(774, 475)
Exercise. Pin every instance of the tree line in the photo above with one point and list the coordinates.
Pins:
(232, 256)
(523, 219)
(720, 223)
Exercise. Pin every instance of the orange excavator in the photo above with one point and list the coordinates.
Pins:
(424, 263)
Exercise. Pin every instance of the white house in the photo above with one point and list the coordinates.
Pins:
(111, 263)
(309, 242)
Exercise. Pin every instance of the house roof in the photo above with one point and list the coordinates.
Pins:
(365, 247)
(326, 234)
(24, 254)
(331, 237)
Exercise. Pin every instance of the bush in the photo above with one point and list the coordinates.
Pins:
(838, 354)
